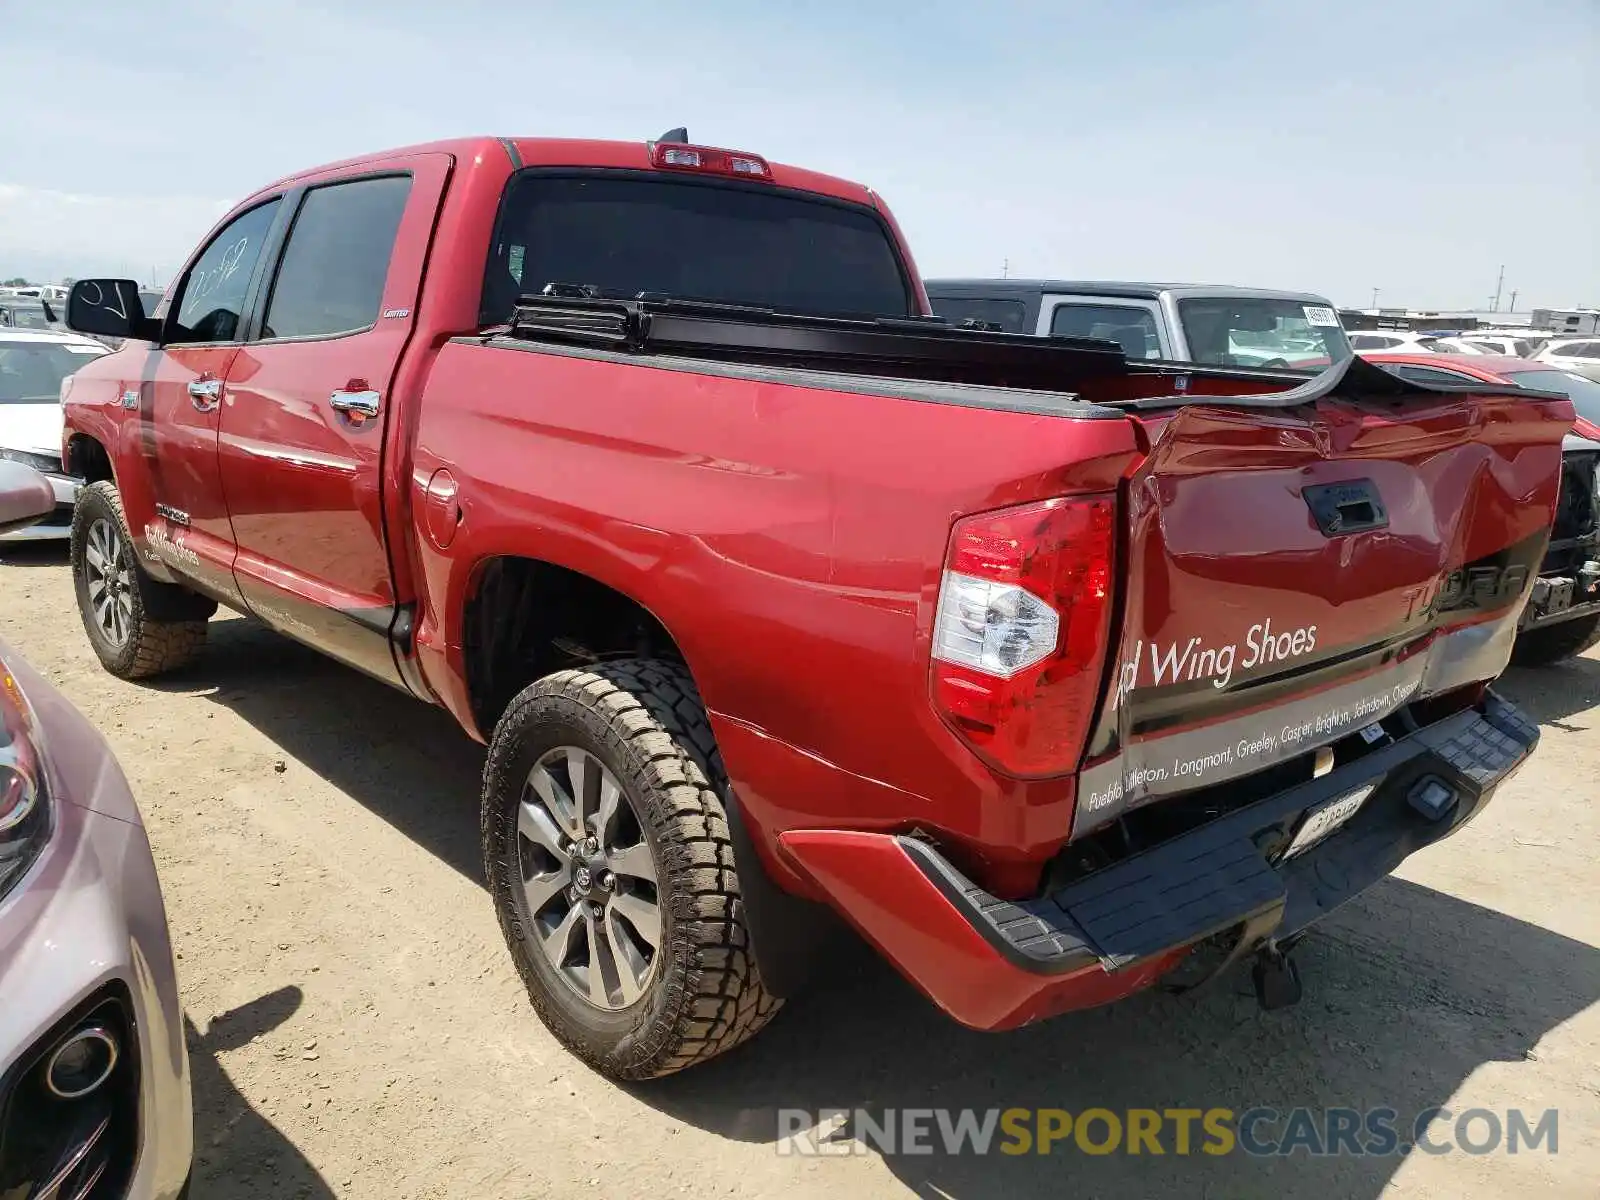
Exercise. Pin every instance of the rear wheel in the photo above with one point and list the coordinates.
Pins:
(113, 594)
(1551, 644)
(609, 857)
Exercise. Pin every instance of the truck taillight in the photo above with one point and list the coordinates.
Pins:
(1020, 635)
(677, 156)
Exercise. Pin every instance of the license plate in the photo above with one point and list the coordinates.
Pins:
(1320, 822)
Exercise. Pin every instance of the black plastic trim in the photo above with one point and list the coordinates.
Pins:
(910, 347)
(1217, 877)
(790, 936)
(1037, 402)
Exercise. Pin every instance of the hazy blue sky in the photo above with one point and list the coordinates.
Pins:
(1335, 147)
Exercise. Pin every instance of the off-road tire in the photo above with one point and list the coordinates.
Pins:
(644, 720)
(1549, 645)
(153, 647)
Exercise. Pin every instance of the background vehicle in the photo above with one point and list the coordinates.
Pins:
(25, 313)
(94, 1075)
(550, 432)
(1562, 618)
(1508, 345)
(1402, 341)
(1578, 355)
(33, 367)
(1225, 326)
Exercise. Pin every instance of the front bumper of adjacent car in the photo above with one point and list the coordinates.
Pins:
(84, 945)
(58, 524)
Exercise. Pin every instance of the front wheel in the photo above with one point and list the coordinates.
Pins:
(112, 591)
(607, 848)
(1549, 644)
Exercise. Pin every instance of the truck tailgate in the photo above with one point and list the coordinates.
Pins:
(1295, 574)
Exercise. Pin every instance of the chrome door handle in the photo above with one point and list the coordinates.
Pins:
(361, 404)
(205, 393)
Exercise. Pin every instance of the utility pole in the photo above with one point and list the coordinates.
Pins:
(1005, 269)
(1513, 307)
(1375, 297)
(1498, 284)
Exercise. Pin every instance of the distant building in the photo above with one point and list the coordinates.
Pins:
(1448, 320)
(1567, 320)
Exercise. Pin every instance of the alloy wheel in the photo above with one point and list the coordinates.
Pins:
(109, 577)
(588, 879)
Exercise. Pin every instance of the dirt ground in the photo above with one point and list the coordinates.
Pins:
(356, 1028)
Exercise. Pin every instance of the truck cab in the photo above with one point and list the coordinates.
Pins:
(1183, 322)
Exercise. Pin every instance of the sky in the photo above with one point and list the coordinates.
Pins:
(1411, 147)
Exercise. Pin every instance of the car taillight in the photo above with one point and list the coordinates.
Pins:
(678, 156)
(1020, 635)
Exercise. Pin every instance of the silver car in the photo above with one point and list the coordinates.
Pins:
(94, 1075)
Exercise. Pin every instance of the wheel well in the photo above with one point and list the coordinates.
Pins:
(527, 618)
(88, 459)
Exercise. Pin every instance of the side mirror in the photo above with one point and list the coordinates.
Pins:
(110, 308)
(25, 496)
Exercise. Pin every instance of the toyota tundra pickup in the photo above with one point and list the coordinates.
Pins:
(777, 599)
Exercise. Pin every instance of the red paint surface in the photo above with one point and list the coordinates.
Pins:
(895, 907)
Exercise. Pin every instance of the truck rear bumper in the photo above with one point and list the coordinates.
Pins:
(996, 964)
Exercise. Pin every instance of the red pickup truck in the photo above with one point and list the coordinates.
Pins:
(776, 598)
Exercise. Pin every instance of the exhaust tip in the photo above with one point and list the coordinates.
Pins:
(82, 1063)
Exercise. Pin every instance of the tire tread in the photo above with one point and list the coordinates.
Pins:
(654, 708)
(155, 647)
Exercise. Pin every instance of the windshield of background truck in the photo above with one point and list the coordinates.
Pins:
(720, 242)
(1259, 332)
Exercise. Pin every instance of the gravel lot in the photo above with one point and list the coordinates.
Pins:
(357, 1030)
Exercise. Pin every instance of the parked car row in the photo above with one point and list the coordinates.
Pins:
(1576, 354)
(1079, 654)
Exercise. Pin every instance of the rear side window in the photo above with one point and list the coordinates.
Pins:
(1134, 329)
(337, 259)
(212, 295)
(624, 234)
(1008, 314)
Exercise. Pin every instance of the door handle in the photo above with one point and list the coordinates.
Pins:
(356, 404)
(205, 394)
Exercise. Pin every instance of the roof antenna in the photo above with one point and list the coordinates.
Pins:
(680, 134)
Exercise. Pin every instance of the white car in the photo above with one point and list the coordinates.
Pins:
(1578, 355)
(33, 364)
(1509, 345)
(1394, 341)
(1410, 341)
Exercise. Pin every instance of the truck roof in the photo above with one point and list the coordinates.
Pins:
(580, 152)
(1102, 287)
